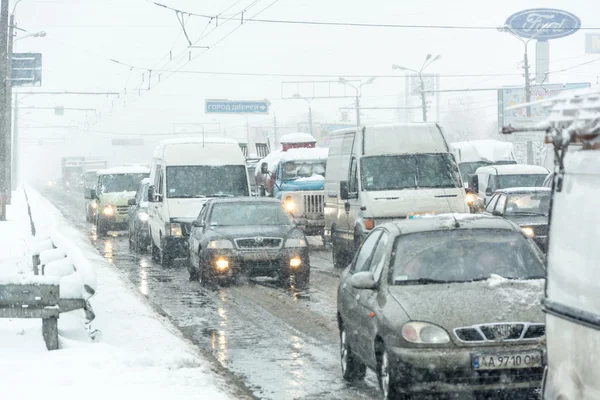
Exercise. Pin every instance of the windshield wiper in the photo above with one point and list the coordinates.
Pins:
(421, 281)
(527, 213)
(219, 195)
(188, 196)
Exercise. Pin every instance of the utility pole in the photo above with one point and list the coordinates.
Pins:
(9, 172)
(428, 61)
(275, 132)
(15, 146)
(4, 185)
(423, 99)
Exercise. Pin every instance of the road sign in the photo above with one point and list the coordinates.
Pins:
(592, 43)
(543, 23)
(428, 84)
(237, 107)
(26, 69)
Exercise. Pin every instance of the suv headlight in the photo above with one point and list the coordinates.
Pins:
(220, 244)
(296, 239)
(176, 229)
(108, 210)
(143, 216)
(423, 332)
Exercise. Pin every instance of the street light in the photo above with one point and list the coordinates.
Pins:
(310, 119)
(344, 81)
(36, 34)
(429, 59)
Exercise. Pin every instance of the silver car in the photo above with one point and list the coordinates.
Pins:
(444, 304)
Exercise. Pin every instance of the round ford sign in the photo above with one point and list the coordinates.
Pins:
(549, 22)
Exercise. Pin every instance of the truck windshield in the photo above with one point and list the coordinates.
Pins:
(303, 169)
(121, 182)
(412, 171)
(206, 181)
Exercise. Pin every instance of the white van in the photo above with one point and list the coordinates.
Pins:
(487, 180)
(183, 174)
(386, 172)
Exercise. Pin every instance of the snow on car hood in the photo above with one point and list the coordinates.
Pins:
(277, 231)
(464, 304)
(116, 198)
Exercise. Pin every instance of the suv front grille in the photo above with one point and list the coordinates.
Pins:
(313, 203)
(500, 332)
(122, 210)
(258, 243)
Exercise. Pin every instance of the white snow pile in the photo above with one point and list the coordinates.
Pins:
(483, 150)
(138, 354)
(297, 137)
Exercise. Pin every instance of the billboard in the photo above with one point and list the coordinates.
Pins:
(512, 96)
(592, 43)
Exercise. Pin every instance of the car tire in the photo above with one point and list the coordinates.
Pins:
(165, 258)
(204, 276)
(194, 273)
(338, 254)
(154, 250)
(302, 278)
(101, 228)
(388, 381)
(352, 369)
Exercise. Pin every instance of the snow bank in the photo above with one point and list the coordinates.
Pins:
(138, 353)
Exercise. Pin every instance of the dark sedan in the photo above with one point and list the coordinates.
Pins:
(254, 236)
(526, 207)
(444, 304)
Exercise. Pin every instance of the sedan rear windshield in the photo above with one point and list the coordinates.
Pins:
(463, 255)
(411, 171)
(249, 214)
(524, 180)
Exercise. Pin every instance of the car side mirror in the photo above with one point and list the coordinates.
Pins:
(151, 198)
(363, 280)
(197, 224)
(132, 202)
(496, 213)
(90, 195)
(489, 192)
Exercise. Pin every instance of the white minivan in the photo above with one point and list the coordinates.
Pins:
(183, 174)
(386, 172)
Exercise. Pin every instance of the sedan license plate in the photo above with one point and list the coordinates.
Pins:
(257, 256)
(529, 359)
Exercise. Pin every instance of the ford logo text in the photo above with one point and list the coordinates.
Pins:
(543, 23)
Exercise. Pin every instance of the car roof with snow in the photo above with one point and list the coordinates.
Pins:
(512, 169)
(317, 153)
(124, 170)
(297, 137)
(245, 199)
(447, 221)
(521, 190)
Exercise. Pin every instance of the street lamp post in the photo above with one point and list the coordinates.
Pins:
(357, 89)
(428, 61)
(310, 118)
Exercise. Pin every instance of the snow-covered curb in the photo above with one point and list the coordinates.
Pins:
(139, 354)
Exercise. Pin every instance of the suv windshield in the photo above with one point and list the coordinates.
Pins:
(528, 204)
(523, 180)
(207, 181)
(247, 213)
(303, 169)
(412, 171)
(464, 255)
(121, 182)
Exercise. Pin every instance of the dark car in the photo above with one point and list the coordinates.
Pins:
(139, 235)
(526, 207)
(444, 304)
(255, 236)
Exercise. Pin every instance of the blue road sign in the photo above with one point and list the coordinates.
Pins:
(236, 107)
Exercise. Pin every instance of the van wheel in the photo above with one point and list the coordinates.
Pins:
(338, 254)
(154, 250)
(101, 229)
(165, 257)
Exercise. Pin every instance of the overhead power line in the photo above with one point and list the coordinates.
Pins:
(351, 24)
